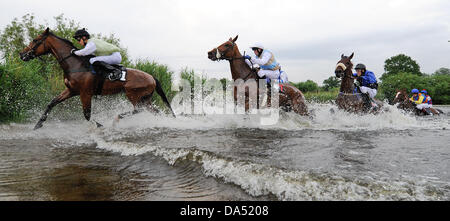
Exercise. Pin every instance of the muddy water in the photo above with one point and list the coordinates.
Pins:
(341, 156)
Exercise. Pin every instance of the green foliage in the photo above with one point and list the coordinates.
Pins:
(440, 89)
(442, 71)
(322, 96)
(307, 86)
(22, 88)
(331, 83)
(438, 86)
(160, 72)
(400, 64)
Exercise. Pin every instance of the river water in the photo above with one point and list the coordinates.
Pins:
(340, 156)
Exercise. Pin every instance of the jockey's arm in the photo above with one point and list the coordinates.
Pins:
(88, 50)
(248, 63)
(263, 60)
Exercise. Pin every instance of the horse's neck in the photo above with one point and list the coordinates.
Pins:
(61, 50)
(347, 83)
(239, 69)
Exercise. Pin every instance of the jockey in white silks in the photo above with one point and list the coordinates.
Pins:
(269, 67)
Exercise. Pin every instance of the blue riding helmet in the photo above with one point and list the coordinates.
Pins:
(424, 91)
(415, 91)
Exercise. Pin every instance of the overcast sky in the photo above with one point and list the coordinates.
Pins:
(307, 37)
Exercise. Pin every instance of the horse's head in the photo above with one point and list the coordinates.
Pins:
(400, 97)
(343, 65)
(36, 48)
(225, 51)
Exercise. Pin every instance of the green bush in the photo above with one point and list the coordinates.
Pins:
(160, 72)
(438, 86)
(307, 86)
(22, 88)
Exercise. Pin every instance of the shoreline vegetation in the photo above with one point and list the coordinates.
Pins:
(26, 88)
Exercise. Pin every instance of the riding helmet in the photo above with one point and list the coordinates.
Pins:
(360, 67)
(424, 91)
(415, 91)
(81, 33)
(257, 45)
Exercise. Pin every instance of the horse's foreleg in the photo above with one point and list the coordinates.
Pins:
(66, 94)
(86, 100)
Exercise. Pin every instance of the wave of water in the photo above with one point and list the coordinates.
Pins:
(260, 180)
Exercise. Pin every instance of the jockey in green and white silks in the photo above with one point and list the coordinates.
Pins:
(269, 66)
(106, 54)
(103, 50)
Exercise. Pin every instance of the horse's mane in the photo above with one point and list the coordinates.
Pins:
(62, 39)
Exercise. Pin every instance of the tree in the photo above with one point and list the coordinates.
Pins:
(442, 71)
(331, 82)
(400, 64)
(307, 86)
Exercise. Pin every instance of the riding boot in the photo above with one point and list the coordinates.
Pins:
(367, 102)
(112, 73)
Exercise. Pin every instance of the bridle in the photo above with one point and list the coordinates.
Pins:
(220, 55)
(31, 53)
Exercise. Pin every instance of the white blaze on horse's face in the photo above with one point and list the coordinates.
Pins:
(398, 94)
(218, 55)
(342, 66)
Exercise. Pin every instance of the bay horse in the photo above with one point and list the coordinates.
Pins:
(291, 97)
(347, 99)
(403, 102)
(138, 87)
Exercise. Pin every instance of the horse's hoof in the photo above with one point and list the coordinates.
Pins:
(38, 125)
(332, 111)
(98, 125)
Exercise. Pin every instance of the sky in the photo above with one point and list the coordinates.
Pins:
(306, 36)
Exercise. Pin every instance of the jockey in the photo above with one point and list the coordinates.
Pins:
(368, 85)
(428, 99)
(367, 80)
(106, 53)
(419, 99)
(269, 67)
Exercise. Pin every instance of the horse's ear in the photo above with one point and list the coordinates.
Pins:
(236, 38)
(351, 56)
(47, 31)
(342, 56)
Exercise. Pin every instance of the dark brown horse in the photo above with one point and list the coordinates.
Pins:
(347, 99)
(291, 98)
(138, 87)
(403, 102)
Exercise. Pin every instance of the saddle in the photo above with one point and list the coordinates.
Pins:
(102, 71)
(111, 72)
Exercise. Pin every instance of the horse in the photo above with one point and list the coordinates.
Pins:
(403, 102)
(347, 99)
(291, 98)
(79, 81)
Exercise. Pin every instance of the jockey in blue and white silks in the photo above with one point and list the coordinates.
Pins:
(269, 67)
(367, 79)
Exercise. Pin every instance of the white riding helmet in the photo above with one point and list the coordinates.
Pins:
(257, 45)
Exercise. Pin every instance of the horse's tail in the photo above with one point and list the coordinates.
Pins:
(161, 93)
